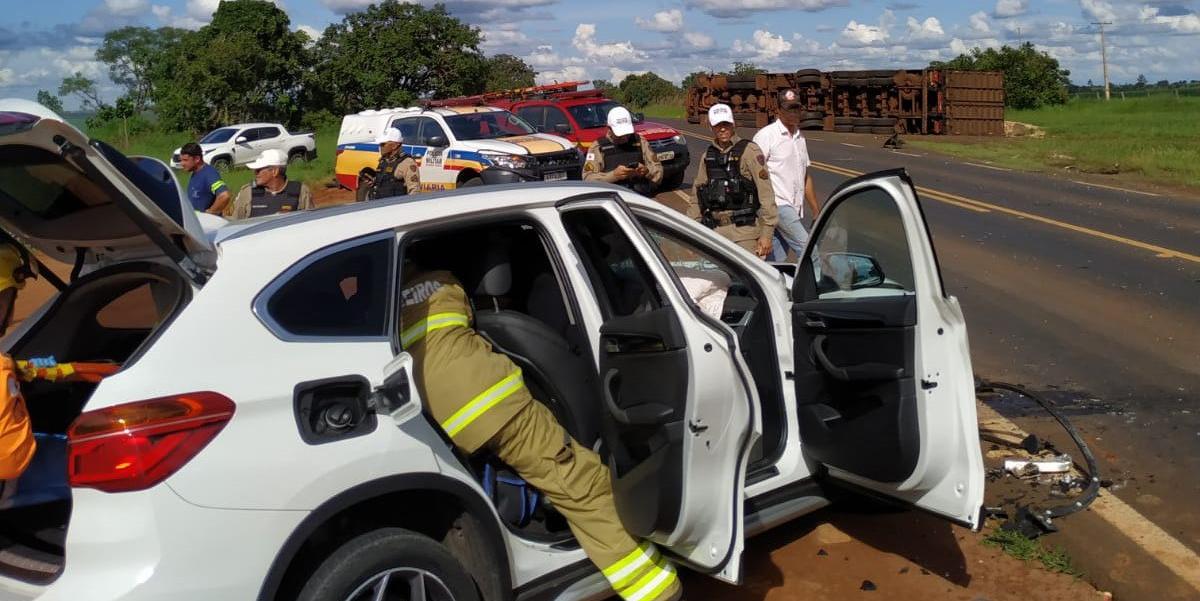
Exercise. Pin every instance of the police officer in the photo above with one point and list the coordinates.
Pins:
(623, 157)
(271, 191)
(732, 191)
(479, 399)
(397, 173)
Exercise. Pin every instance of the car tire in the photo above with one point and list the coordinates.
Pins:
(297, 158)
(222, 164)
(471, 182)
(388, 552)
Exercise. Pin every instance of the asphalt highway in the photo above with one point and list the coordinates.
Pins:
(1087, 292)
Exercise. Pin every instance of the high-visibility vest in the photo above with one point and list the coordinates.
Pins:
(17, 444)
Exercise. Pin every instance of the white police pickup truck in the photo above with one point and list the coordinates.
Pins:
(227, 147)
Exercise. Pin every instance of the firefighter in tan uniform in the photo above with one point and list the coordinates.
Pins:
(732, 192)
(397, 173)
(479, 399)
(622, 157)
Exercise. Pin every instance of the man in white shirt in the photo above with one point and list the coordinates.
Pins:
(786, 152)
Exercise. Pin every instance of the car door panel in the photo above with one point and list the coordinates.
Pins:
(883, 375)
(680, 411)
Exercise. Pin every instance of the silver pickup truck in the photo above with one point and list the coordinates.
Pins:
(233, 145)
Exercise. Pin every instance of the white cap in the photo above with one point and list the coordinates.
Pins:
(390, 134)
(268, 158)
(719, 113)
(620, 121)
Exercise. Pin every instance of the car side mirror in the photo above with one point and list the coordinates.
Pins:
(435, 141)
(853, 271)
(639, 117)
(562, 128)
(240, 140)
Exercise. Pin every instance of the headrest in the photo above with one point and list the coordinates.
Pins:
(496, 278)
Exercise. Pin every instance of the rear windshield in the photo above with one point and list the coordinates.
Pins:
(485, 126)
(592, 115)
(217, 136)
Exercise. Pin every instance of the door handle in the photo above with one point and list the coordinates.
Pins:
(862, 372)
(643, 414)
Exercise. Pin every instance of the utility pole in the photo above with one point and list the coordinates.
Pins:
(1104, 57)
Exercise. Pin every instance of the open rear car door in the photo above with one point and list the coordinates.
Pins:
(883, 369)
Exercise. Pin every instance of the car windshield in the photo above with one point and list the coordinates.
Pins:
(486, 126)
(217, 136)
(592, 115)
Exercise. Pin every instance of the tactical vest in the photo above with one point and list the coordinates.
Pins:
(387, 184)
(263, 203)
(629, 153)
(727, 189)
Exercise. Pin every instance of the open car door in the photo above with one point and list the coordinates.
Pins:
(883, 369)
(679, 409)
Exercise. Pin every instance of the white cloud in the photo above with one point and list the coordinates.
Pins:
(740, 8)
(699, 41)
(860, 34)
(567, 73)
(614, 52)
(6, 76)
(666, 21)
(929, 29)
(617, 74)
(764, 46)
(127, 8)
(1011, 8)
(979, 23)
(313, 33)
(505, 37)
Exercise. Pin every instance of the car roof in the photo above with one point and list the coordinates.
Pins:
(339, 219)
(243, 125)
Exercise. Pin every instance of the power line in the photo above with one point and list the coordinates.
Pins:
(1104, 57)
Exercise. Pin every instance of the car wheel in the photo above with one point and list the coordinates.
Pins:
(222, 164)
(390, 563)
(296, 159)
(472, 182)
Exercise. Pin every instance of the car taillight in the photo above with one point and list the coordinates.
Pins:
(137, 445)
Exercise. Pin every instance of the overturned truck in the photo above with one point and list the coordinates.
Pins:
(926, 101)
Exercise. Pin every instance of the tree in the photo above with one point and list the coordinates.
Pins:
(1090, 84)
(134, 56)
(1031, 78)
(1162, 83)
(1141, 82)
(393, 53)
(640, 90)
(690, 80)
(50, 101)
(747, 68)
(245, 65)
(84, 88)
(609, 90)
(505, 72)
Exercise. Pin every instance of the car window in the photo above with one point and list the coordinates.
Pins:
(133, 310)
(266, 133)
(429, 129)
(336, 294)
(592, 115)
(487, 125)
(218, 136)
(408, 128)
(707, 282)
(862, 249)
(622, 281)
(554, 118)
(534, 116)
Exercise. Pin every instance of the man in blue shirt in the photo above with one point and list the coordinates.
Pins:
(206, 190)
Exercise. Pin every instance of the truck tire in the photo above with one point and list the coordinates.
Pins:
(222, 164)
(883, 130)
(860, 122)
(391, 557)
(880, 122)
(881, 81)
(843, 120)
(808, 73)
(861, 129)
(843, 128)
(812, 124)
(888, 73)
(860, 82)
(741, 85)
(808, 80)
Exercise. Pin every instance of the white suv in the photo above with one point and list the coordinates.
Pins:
(263, 440)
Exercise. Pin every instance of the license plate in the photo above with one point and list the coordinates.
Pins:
(666, 156)
(555, 176)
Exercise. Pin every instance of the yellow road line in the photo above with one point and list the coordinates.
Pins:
(1159, 544)
(983, 207)
(1115, 188)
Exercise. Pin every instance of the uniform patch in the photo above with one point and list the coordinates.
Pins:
(762, 174)
(591, 156)
(589, 167)
(420, 292)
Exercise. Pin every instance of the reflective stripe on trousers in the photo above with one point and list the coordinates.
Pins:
(642, 575)
(437, 321)
(482, 402)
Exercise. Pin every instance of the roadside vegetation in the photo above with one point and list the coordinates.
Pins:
(1018, 546)
(1151, 138)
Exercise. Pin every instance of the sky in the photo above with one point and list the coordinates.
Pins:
(41, 42)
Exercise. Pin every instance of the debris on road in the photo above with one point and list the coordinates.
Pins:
(1058, 464)
(867, 585)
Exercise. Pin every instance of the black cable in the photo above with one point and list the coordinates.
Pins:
(1093, 488)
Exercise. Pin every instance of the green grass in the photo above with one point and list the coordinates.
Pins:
(160, 144)
(1016, 545)
(1152, 138)
(667, 108)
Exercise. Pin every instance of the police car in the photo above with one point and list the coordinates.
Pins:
(456, 147)
(264, 438)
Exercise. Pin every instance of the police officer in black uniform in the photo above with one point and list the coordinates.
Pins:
(732, 192)
(622, 157)
(397, 173)
(271, 191)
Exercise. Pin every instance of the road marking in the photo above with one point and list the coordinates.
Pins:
(907, 154)
(851, 145)
(1160, 545)
(988, 167)
(814, 139)
(966, 203)
(1115, 188)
